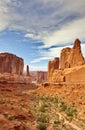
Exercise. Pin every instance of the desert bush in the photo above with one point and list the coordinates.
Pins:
(43, 118)
(41, 126)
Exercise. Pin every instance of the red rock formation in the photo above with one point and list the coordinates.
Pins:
(72, 66)
(75, 74)
(64, 58)
(10, 63)
(52, 66)
(71, 57)
(11, 69)
(27, 71)
(41, 76)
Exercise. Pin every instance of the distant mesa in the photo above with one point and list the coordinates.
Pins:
(41, 76)
(70, 67)
(38, 76)
(10, 63)
(11, 69)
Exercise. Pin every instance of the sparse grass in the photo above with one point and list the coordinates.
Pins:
(43, 108)
(47, 109)
(43, 118)
(41, 126)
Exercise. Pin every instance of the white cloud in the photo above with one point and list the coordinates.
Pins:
(53, 22)
(40, 15)
(66, 34)
(53, 52)
(41, 59)
(38, 68)
(83, 49)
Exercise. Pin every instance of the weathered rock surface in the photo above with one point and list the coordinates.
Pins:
(11, 69)
(52, 66)
(72, 66)
(75, 74)
(27, 71)
(71, 57)
(41, 76)
(10, 63)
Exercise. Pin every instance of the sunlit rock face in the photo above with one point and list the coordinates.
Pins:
(52, 66)
(71, 57)
(11, 69)
(71, 66)
(41, 76)
(10, 63)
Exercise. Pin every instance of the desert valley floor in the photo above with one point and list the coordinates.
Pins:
(44, 107)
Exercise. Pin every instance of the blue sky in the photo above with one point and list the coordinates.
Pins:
(38, 30)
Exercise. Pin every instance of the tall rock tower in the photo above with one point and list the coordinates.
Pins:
(52, 66)
(27, 71)
(71, 57)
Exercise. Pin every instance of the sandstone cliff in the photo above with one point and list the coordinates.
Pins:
(52, 66)
(11, 69)
(72, 66)
(10, 63)
(41, 76)
(71, 57)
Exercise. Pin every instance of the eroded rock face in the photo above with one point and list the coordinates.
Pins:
(72, 66)
(41, 76)
(52, 66)
(27, 71)
(11, 69)
(10, 63)
(71, 57)
(75, 74)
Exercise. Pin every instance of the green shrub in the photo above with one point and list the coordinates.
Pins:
(42, 118)
(41, 127)
(57, 121)
(43, 108)
(71, 112)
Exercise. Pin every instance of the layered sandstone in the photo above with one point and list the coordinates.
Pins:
(52, 66)
(27, 71)
(41, 76)
(71, 57)
(11, 69)
(72, 66)
(10, 63)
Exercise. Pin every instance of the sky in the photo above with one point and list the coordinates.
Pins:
(38, 30)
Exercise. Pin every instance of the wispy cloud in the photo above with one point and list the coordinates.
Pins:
(38, 68)
(41, 59)
(40, 15)
(66, 34)
(53, 22)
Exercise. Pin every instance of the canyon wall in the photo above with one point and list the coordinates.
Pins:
(10, 63)
(41, 76)
(71, 57)
(11, 69)
(52, 66)
(71, 65)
